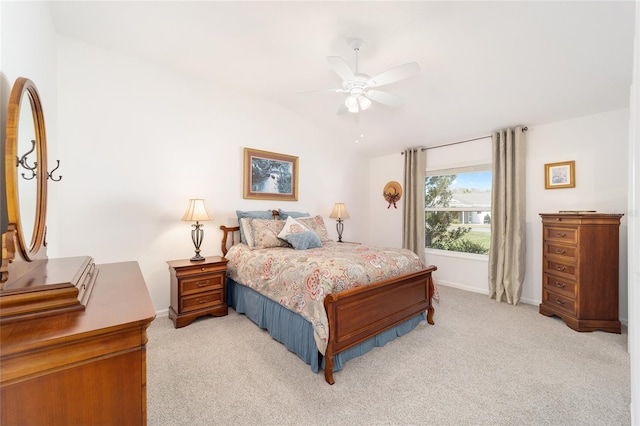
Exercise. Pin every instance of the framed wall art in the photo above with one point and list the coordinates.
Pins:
(560, 175)
(270, 176)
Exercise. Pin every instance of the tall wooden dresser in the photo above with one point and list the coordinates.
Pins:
(580, 269)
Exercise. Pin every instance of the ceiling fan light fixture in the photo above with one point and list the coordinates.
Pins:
(351, 103)
(364, 103)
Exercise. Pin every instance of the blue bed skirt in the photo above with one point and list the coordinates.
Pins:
(296, 333)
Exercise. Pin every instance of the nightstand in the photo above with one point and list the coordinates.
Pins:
(197, 289)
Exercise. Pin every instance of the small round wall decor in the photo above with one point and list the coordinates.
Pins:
(392, 193)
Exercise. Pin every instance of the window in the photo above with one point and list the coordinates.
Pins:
(458, 209)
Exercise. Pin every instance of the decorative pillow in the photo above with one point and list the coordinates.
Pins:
(245, 229)
(316, 224)
(304, 240)
(265, 233)
(285, 215)
(291, 226)
(256, 214)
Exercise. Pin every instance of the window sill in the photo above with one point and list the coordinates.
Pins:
(457, 254)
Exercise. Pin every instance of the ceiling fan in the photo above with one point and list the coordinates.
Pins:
(361, 89)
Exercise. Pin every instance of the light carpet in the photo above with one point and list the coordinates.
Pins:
(482, 363)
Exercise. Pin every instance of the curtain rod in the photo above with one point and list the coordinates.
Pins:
(524, 129)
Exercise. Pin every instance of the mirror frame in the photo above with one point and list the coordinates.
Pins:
(25, 90)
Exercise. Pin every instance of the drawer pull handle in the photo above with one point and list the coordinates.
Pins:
(561, 234)
(561, 285)
(560, 268)
(202, 284)
(560, 302)
(560, 251)
(205, 300)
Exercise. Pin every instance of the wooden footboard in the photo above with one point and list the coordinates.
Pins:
(358, 314)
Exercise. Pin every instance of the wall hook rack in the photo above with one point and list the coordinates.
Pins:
(23, 161)
(50, 175)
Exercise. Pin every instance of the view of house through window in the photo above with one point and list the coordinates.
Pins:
(458, 210)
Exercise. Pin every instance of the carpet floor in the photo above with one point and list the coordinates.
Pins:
(482, 363)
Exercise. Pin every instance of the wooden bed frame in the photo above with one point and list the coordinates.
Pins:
(358, 314)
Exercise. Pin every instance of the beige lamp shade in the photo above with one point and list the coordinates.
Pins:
(339, 211)
(196, 211)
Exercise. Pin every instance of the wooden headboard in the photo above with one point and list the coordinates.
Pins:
(229, 234)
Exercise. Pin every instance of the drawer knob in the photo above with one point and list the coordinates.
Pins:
(560, 268)
(560, 251)
(202, 269)
(561, 285)
(202, 283)
(560, 302)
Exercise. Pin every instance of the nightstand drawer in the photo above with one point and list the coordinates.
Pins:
(201, 301)
(558, 301)
(201, 283)
(201, 269)
(560, 234)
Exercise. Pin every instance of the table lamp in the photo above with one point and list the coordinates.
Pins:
(339, 212)
(196, 210)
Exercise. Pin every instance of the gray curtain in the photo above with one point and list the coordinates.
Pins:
(413, 226)
(507, 253)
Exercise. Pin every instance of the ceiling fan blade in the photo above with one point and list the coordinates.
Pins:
(385, 98)
(311, 92)
(394, 74)
(341, 68)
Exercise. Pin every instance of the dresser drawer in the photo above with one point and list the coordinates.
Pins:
(557, 267)
(558, 301)
(201, 301)
(567, 252)
(559, 285)
(568, 235)
(201, 283)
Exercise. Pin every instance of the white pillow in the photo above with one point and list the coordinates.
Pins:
(292, 226)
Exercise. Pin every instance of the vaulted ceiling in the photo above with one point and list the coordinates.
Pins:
(484, 65)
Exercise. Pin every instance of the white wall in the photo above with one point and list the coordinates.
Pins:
(597, 143)
(139, 140)
(634, 225)
(27, 49)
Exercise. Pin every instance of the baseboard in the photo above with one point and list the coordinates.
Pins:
(162, 313)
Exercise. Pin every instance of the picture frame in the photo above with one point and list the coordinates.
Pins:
(560, 175)
(270, 176)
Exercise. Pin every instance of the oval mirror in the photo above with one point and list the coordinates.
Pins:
(26, 167)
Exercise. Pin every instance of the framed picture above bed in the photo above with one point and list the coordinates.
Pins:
(270, 176)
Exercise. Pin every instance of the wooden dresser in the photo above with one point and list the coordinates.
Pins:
(580, 269)
(81, 367)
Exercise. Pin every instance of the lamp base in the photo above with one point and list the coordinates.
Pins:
(197, 258)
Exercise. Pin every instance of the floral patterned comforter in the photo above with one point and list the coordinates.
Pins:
(300, 279)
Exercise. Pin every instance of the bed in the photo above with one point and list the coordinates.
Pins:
(326, 317)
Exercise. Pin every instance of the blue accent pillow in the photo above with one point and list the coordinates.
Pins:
(304, 240)
(256, 214)
(284, 215)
